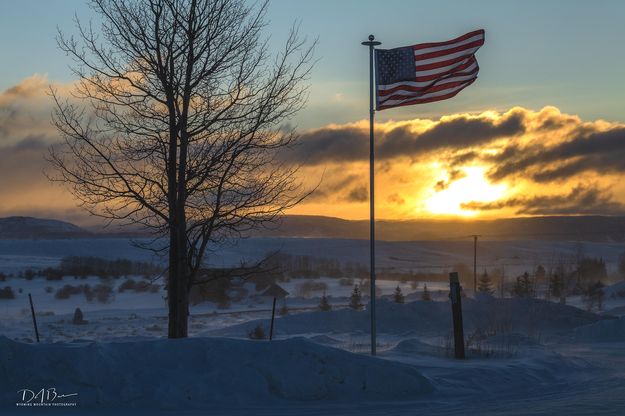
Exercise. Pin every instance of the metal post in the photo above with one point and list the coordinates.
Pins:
(32, 311)
(371, 44)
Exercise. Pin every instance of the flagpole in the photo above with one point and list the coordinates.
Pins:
(371, 44)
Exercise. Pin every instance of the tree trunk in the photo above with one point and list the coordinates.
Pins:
(172, 286)
(183, 282)
(179, 274)
(178, 287)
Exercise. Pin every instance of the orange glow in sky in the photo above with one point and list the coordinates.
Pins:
(472, 187)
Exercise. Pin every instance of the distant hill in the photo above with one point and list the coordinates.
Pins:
(569, 228)
(566, 228)
(38, 228)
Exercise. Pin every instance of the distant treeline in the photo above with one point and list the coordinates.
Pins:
(293, 266)
(82, 267)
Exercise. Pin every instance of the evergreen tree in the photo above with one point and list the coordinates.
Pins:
(485, 285)
(599, 294)
(523, 287)
(593, 294)
(398, 297)
(426, 293)
(555, 286)
(355, 298)
(621, 264)
(324, 305)
(540, 273)
(591, 269)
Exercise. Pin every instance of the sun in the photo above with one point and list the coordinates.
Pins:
(472, 187)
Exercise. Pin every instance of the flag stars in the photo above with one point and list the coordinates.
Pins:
(394, 65)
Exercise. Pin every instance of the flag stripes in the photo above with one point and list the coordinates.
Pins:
(426, 72)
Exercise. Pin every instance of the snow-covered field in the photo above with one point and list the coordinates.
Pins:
(515, 256)
(525, 356)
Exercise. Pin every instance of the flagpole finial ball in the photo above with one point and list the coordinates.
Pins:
(371, 37)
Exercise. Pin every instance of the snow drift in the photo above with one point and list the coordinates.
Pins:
(611, 330)
(426, 318)
(201, 372)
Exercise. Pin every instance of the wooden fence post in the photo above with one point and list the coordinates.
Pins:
(32, 311)
(273, 315)
(456, 310)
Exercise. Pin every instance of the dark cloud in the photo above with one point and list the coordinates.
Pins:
(334, 183)
(346, 144)
(349, 143)
(581, 200)
(396, 199)
(581, 151)
(22, 165)
(454, 175)
(456, 133)
(358, 194)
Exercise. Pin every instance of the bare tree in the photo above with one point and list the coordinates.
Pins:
(175, 122)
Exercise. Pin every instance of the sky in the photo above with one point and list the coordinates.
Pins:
(541, 132)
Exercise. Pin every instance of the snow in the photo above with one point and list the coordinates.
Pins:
(516, 256)
(525, 356)
(612, 330)
(432, 319)
(202, 372)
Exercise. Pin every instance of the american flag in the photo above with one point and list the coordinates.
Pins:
(426, 72)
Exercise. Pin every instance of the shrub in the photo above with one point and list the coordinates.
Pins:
(140, 286)
(7, 293)
(103, 293)
(257, 333)
(128, 284)
(324, 305)
(68, 290)
(52, 274)
(143, 286)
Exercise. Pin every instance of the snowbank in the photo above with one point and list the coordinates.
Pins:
(201, 372)
(611, 330)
